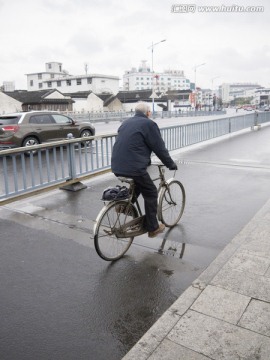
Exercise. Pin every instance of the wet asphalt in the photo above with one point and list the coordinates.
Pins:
(59, 300)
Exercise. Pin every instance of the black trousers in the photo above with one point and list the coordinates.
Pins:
(144, 185)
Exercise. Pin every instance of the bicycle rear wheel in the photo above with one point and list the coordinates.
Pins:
(109, 240)
(171, 203)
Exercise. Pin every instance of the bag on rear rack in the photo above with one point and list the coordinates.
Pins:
(115, 193)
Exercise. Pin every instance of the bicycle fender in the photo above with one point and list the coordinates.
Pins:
(99, 216)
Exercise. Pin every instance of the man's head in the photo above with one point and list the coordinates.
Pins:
(143, 108)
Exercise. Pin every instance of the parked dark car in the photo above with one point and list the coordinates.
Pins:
(35, 127)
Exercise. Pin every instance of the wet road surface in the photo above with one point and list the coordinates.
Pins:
(59, 300)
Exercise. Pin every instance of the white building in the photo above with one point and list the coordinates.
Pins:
(229, 92)
(262, 97)
(54, 77)
(142, 79)
(8, 86)
(9, 104)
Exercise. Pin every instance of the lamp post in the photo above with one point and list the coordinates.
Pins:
(152, 50)
(195, 73)
(216, 77)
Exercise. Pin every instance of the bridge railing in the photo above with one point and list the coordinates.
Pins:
(31, 169)
(121, 115)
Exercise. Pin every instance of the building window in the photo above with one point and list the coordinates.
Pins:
(60, 68)
(79, 81)
(68, 82)
(89, 80)
(49, 84)
(39, 76)
(40, 85)
(49, 66)
(58, 83)
(52, 76)
(31, 83)
(103, 81)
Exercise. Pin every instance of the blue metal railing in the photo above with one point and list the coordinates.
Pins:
(38, 167)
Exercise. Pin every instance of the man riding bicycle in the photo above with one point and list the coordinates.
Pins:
(137, 138)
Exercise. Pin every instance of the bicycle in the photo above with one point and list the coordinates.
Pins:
(120, 221)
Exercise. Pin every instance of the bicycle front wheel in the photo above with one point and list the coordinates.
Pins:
(171, 203)
(109, 240)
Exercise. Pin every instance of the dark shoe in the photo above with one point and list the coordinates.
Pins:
(159, 230)
(122, 209)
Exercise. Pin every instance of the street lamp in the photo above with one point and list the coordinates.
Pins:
(195, 71)
(152, 49)
(216, 77)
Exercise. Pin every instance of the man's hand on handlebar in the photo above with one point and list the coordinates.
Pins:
(173, 167)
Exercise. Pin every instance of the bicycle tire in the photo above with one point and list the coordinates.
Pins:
(171, 203)
(107, 244)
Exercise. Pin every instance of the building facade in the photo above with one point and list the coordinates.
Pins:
(231, 91)
(54, 77)
(262, 97)
(52, 100)
(8, 104)
(143, 79)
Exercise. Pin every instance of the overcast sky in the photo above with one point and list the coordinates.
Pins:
(115, 35)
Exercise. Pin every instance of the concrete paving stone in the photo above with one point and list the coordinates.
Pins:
(182, 304)
(261, 248)
(245, 283)
(169, 350)
(219, 339)
(257, 317)
(261, 233)
(207, 275)
(248, 261)
(154, 336)
(221, 304)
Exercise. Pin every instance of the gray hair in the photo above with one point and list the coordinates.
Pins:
(142, 107)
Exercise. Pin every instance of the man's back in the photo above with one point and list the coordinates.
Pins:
(137, 138)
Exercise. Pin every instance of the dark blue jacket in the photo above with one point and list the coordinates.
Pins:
(137, 138)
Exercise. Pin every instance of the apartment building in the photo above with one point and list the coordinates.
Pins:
(231, 91)
(54, 77)
(262, 97)
(143, 79)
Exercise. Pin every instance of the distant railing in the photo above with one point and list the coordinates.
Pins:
(66, 162)
(121, 115)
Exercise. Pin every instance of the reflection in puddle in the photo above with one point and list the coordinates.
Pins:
(172, 248)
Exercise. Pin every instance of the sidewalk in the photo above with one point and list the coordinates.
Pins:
(225, 313)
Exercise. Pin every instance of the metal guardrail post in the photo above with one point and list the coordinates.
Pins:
(71, 161)
(230, 125)
(77, 185)
(256, 121)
